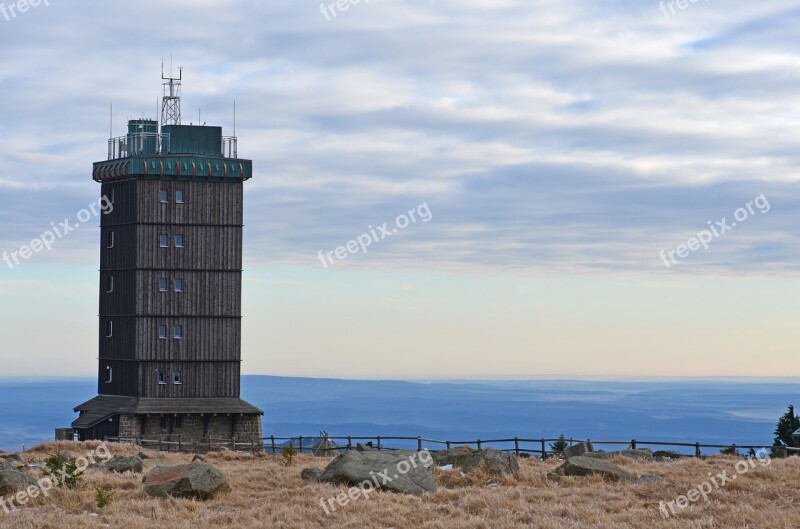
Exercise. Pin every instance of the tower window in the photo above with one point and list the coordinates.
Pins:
(177, 378)
(179, 241)
(162, 378)
(109, 329)
(162, 332)
(177, 332)
(179, 196)
(110, 284)
(163, 196)
(110, 239)
(163, 241)
(162, 284)
(109, 374)
(179, 285)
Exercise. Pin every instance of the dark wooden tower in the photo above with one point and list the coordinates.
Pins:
(171, 285)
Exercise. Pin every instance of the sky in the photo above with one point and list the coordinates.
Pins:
(599, 188)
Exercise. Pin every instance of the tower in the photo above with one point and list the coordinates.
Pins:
(170, 284)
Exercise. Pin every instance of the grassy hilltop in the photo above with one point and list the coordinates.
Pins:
(265, 493)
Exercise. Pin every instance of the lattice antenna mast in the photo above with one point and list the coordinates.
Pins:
(171, 100)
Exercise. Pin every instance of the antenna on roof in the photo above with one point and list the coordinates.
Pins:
(171, 100)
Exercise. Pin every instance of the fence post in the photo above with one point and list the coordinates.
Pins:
(544, 451)
(252, 446)
(516, 446)
(419, 444)
(349, 443)
(697, 450)
(209, 444)
(633, 444)
(195, 446)
(478, 442)
(180, 442)
(571, 441)
(734, 448)
(379, 443)
(301, 444)
(272, 437)
(448, 445)
(160, 441)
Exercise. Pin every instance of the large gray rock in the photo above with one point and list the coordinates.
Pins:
(496, 462)
(195, 480)
(632, 454)
(120, 465)
(450, 456)
(389, 470)
(12, 480)
(579, 449)
(586, 466)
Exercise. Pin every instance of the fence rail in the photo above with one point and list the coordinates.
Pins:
(541, 447)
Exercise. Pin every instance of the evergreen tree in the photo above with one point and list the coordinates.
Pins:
(787, 425)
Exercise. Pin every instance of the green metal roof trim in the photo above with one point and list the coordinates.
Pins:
(174, 167)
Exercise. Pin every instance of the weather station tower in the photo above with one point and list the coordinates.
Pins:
(170, 329)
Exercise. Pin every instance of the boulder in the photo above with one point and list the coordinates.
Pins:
(120, 465)
(311, 474)
(449, 456)
(398, 471)
(199, 457)
(586, 466)
(12, 480)
(195, 480)
(633, 454)
(143, 456)
(467, 460)
(578, 449)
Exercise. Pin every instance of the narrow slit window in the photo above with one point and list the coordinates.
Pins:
(162, 284)
(179, 285)
(163, 196)
(179, 241)
(177, 378)
(162, 378)
(162, 332)
(163, 241)
(177, 332)
(110, 239)
(179, 196)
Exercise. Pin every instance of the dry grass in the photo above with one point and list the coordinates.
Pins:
(267, 494)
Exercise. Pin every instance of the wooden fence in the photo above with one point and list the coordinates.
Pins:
(315, 444)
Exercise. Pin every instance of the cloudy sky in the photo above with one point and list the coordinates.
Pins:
(560, 148)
